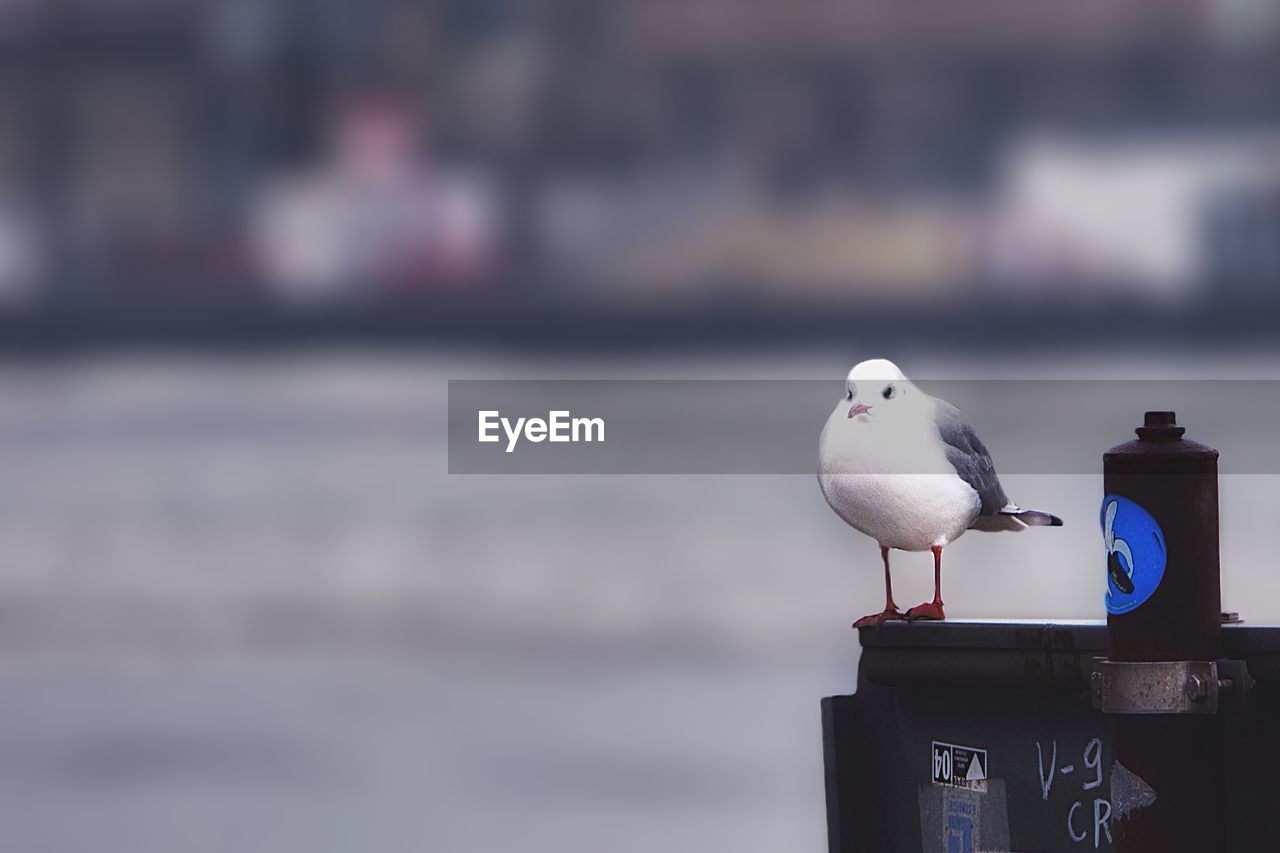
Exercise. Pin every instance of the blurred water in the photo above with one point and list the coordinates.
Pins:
(440, 754)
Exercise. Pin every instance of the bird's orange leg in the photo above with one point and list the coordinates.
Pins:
(891, 610)
(933, 609)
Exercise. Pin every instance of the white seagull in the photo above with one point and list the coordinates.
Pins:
(903, 468)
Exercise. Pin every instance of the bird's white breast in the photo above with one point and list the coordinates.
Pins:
(889, 478)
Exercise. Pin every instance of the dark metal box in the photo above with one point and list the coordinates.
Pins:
(1013, 698)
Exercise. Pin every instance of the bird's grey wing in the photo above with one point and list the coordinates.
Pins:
(969, 456)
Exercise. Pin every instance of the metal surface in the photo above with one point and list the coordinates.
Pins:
(1176, 481)
(1020, 691)
(1239, 639)
(1161, 687)
(1171, 760)
(999, 654)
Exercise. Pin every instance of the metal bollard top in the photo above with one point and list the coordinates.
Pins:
(1160, 448)
(1160, 426)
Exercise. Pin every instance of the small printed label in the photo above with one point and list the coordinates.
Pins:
(959, 766)
(1135, 553)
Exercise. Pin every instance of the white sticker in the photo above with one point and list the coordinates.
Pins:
(960, 766)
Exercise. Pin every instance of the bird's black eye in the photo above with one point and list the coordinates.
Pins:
(848, 394)
(887, 393)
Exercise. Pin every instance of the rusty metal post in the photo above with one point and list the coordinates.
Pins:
(1160, 526)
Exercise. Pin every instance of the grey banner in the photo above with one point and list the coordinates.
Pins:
(629, 426)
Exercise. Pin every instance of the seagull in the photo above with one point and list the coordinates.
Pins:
(905, 469)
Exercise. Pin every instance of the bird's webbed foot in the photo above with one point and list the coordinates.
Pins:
(928, 610)
(886, 615)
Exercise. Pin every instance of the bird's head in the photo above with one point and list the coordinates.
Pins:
(876, 388)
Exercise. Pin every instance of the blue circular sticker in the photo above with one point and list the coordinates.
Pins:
(1135, 553)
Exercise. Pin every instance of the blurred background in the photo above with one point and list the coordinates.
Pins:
(245, 243)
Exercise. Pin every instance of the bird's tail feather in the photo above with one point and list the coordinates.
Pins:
(1033, 517)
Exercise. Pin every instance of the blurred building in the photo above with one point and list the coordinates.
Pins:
(1159, 217)
(370, 216)
(598, 153)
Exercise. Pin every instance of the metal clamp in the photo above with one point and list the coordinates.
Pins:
(1168, 687)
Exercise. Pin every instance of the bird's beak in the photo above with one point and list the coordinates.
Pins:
(859, 408)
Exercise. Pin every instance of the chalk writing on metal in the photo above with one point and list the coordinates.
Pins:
(1085, 821)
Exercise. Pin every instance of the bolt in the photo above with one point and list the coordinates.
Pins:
(1196, 688)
